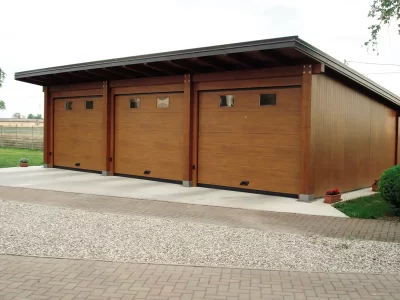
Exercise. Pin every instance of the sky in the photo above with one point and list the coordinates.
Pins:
(42, 33)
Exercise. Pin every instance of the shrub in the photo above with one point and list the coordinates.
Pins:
(389, 185)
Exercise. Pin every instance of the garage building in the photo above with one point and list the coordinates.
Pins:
(273, 116)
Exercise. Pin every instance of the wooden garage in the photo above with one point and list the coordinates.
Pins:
(271, 116)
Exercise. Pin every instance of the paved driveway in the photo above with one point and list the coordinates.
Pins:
(26, 278)
(89, 183)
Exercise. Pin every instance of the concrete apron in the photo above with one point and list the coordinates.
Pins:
(90, 183)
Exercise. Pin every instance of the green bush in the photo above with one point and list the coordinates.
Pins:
(389, 186)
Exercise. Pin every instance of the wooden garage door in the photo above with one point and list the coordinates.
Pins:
(252, 144)
(149, 135)
(79, 137)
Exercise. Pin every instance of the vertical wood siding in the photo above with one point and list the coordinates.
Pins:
(353, 137)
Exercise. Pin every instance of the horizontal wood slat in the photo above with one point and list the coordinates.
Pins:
(177, 87)
(147, 81)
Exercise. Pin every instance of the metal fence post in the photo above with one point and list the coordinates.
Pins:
(32, 139)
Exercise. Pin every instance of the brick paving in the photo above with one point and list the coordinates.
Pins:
(26, 278)
(388, 231)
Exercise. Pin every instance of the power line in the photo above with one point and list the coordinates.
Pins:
(383, 73)
(369, 63)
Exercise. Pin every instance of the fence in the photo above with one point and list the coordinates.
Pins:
(21, 137)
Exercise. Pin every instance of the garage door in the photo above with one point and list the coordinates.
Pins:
(79, 138)
(250, 139)
(149, 135)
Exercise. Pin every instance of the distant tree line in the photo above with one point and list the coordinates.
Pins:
(17, 115)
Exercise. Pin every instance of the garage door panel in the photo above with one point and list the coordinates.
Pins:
(255, 161)
(243, 149)
(257, 140)
(79, 135)
(245, 171)
(149, 138)
(239, 117)
(165, 170)
(249, 142)
(250, 127)
(261, 184)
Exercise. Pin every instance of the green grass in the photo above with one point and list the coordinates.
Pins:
(368, 207)
(9, 157)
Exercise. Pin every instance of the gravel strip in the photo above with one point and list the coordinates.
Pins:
(50, 231)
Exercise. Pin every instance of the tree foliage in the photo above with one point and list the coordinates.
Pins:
(384, 12)
(36, 117)
(16, 115)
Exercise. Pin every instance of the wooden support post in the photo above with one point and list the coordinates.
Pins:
(50, 129)
(187, 131)
(112, 131)
(306, 192)
(107, 128)
(46, 148)
(195, 134)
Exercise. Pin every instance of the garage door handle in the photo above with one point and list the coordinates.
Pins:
(147, 172)
(77, 164)
(245, 183)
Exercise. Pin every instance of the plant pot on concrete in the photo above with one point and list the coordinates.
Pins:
(375, 185)
(23, 162)
(332, 196)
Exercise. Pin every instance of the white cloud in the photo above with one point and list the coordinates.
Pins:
(45, 33)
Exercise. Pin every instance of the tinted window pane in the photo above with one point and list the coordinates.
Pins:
(134, 103)
(267, 99)
(89, 104)
(68, 105)
(226, 100)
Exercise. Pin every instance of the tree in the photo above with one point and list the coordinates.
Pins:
(383, 11)
(17, 115)
(2, 77)
(36, 117)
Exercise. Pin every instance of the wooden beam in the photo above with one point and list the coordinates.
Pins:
(232, 60)
(159, 69)
(250, 83)
(318, 68)
(75, 87)
(149, 89)
(187, 131)
(107, 126)
(77, 93)
(306, 190)
(141, 69)
(146, 81)
(202, 62)
(250, 74)
(46, 131)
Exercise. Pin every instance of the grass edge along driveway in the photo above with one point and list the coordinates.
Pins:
(9, 157)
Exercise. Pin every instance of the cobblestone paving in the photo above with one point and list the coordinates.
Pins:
(26, 278)
(387, 231)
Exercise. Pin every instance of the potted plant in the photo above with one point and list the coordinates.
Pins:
(375, 185)
(23, 162)
(332, 196)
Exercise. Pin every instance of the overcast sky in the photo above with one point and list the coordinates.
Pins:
(46, 33)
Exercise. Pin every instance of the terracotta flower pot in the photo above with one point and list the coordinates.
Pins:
(332, 198)
(375, 186)
(23, 164)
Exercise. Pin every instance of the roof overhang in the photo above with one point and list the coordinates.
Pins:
(279, 52)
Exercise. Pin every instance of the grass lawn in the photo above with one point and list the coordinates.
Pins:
(9, 157)
(368, 207)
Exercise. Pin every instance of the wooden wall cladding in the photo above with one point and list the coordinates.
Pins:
(149, 138)
(353, 137)
(249, 142)
(79, 135)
